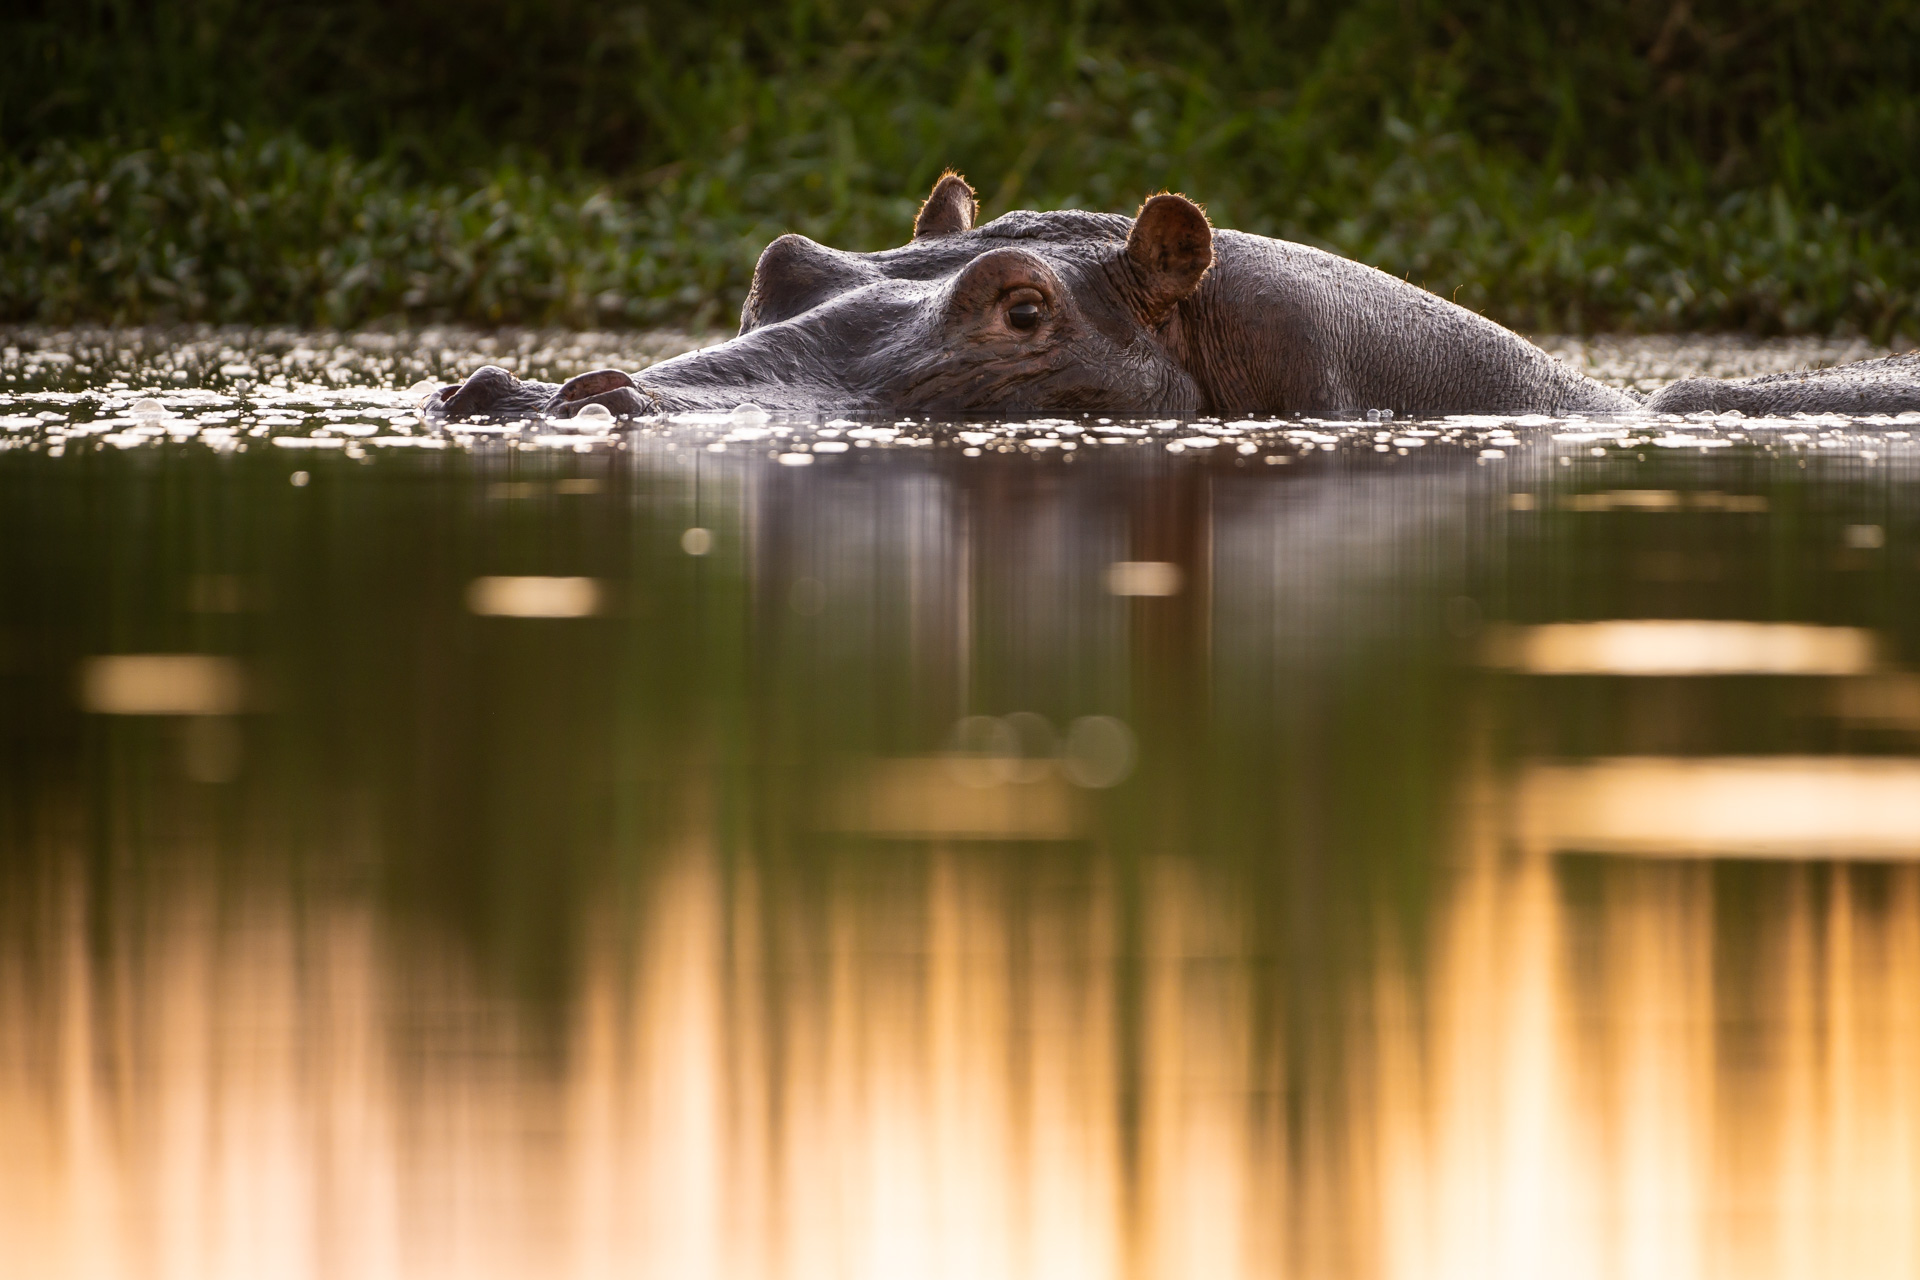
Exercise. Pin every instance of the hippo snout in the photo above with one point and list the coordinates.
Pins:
(488, 392)
(494, 394)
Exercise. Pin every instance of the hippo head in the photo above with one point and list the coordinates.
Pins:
(1032, 313)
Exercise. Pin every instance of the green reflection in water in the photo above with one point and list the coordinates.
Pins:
(1305, 739)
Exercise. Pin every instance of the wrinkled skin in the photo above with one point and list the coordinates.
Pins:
(1158, 315)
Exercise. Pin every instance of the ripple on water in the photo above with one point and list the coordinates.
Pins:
(68, 392)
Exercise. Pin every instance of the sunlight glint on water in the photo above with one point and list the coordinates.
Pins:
(937, 1125)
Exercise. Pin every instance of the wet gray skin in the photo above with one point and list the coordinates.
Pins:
(1157, 315)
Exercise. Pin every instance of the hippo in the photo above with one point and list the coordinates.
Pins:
(1157, 315)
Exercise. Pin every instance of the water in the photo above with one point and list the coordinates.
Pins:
(573, 854)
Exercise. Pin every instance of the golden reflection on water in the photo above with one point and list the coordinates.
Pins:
(1669, 647)
(1752, 806)
(953, 1082)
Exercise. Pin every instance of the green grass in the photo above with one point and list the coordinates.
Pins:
(1635, 166)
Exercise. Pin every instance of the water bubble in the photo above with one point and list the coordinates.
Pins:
(1034, 747)
(983, 736)
(425, 386)
(979, 749)
(1100, 752)
(147, 409)
(595, 412)
(749, 412)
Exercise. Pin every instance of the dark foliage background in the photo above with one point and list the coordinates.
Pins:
(1627, 163)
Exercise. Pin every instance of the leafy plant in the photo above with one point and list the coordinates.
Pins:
(1632, 165)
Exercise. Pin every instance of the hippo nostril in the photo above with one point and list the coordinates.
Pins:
(795, 275)
(599, 382)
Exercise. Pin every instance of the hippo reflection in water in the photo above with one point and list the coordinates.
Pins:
(1155, 315)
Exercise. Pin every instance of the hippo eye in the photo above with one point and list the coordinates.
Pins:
(1023, 315)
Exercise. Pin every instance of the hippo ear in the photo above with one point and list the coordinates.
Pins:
(948, 209)
(1169, 251)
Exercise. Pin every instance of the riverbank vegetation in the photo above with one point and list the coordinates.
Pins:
(1638, 165)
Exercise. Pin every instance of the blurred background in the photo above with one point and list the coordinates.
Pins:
(1647, 165)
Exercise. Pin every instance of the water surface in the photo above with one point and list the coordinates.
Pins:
(753, 847)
